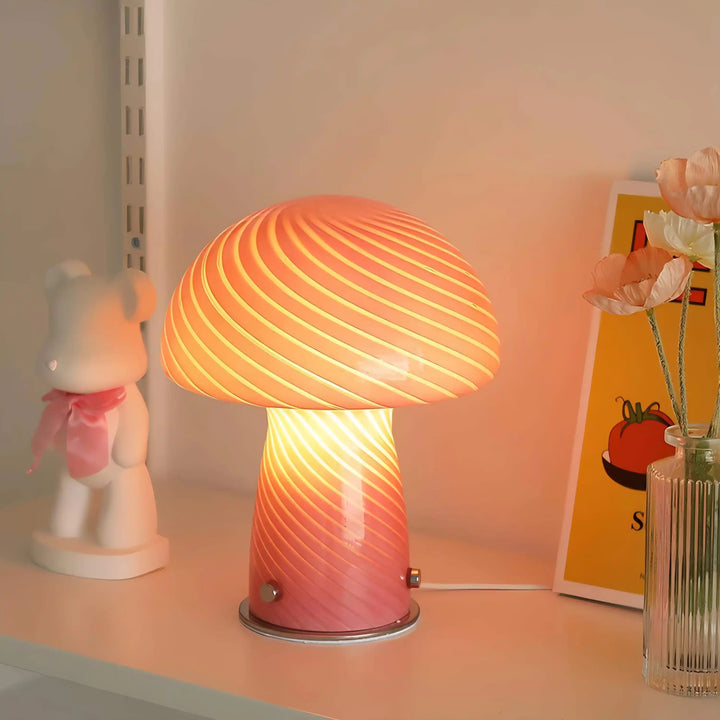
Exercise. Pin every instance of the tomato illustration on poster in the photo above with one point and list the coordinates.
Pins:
(623, 414)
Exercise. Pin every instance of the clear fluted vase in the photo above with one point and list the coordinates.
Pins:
(681, 621)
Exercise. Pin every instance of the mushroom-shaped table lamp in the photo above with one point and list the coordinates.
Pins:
(330, 311)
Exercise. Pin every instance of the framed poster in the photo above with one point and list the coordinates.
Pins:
(624, 410)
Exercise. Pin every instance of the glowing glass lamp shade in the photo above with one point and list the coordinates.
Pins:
(330, 311)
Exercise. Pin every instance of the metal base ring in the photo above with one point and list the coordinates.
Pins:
(403, 625)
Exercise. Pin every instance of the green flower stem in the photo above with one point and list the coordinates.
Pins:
(663, 362)
(715, 424)
(683, 419)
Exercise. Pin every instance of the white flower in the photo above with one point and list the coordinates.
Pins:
(681, 236)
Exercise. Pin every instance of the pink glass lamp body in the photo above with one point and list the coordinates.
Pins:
(329, 527)
(330, 311)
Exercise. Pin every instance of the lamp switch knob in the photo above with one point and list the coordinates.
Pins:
(269, 592)
(413, 577)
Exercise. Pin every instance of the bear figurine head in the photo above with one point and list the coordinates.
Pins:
(94, 341)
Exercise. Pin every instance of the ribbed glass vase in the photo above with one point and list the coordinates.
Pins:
(681, 629)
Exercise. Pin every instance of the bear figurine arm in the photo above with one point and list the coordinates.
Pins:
(131, 440)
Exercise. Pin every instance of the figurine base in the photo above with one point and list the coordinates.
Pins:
(403, 625)
(79, 557)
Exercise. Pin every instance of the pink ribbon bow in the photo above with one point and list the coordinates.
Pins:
(83, 419)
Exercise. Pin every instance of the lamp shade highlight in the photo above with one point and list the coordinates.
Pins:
(330, 311)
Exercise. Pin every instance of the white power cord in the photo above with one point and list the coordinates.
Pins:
(479, 586)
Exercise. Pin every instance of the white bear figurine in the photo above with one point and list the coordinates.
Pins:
(96, 417)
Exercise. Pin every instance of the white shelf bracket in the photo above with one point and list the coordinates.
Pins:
(133, 126)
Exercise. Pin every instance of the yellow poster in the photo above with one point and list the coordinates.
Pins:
(623, 414)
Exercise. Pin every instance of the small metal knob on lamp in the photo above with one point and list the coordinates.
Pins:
(412, 578)
(269, 592)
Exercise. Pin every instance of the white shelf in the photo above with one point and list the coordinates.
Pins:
(173, 637)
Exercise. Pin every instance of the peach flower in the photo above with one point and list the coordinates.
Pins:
(692, 187)
(642, 280)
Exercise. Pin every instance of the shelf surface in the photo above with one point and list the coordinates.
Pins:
(173, 637)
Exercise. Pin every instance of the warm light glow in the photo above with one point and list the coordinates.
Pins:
(329, 523)
(330, 302)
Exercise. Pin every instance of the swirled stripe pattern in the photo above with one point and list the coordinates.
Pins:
(330, 302)
(329, 527)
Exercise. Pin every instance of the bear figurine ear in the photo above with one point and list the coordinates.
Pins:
(60, 274)
(137, 294)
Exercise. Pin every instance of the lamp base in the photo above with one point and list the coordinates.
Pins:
(403, 625)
